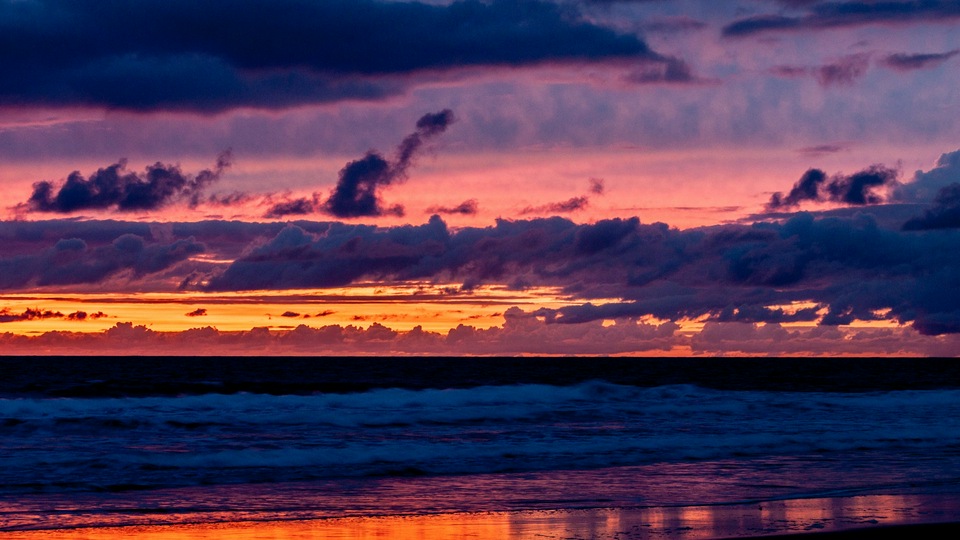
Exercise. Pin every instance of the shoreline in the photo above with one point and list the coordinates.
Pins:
(861, 516)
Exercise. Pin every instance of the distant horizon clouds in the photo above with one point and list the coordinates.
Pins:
(481, 176)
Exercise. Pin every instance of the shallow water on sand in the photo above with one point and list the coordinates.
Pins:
(682, 523)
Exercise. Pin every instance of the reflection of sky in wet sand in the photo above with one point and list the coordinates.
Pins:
(695, 522)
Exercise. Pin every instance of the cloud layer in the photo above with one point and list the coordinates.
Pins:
(211, 56)
(819, 15)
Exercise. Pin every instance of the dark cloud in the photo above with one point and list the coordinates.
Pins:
(199, 312)
(33, 314)
(844, 71)
(926, 185)
(72, 261)
(29, 314)
(115, 187)
(573, 204)
(856, 189)
(669, 70)
(943, 214)
(466, 208)
(83, 315)
(910, 62)
(296, 207)
(821, 15)
(806, 189)
(823, 149)
(841, 269)
(357, 190)
(220, 54)
(597, 186)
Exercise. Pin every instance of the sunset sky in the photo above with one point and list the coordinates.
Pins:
(657, 177)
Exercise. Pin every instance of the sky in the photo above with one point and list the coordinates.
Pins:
(637, 177)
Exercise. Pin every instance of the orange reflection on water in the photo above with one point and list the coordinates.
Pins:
(684, 523)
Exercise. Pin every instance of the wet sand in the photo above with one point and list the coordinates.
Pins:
(839, 517)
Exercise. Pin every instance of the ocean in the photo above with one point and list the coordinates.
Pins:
(117, 441)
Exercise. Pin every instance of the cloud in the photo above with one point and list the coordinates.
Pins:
(34, 314)
(114, 187)
(467, 208)
(823, 15)
(926, 185)
(520, 333)
(295, 207)
(842, 72)
(573, 204)
(841, 269)
(28, 314)
(72, 261)
(357, 190)
(83, 315)
(856, 189)
(846, 70)
(668, 70)
(199, 312)
(944, 213)
(597, 186)
(151, 55)
(823, 149)
(910, 62)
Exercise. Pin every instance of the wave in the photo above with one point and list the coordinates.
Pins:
(121, 443)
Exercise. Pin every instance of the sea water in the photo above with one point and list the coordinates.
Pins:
(118, 441)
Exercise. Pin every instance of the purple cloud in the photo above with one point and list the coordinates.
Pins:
(910, 62)
(357, 193)
(181, 55)
(856, 189)
(115, 187)
(844, 71)
(467, 208)
(821, 15)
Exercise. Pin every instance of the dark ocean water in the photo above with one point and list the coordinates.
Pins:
(149, 440)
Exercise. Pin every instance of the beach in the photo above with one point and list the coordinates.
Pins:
(449, 448)
(836, 517)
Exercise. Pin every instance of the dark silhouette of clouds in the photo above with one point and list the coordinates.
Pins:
(910, 62)
(199, 312)
(29, 314)
(72, 261)
(216, 55)
(848, 268)
(357, 193)
(295, 207)
(927, 185)
(357, 190)
(574, 204)
(115, 187)
(821, 15)
(597, 186)
(856, 189)
(944, 213)
(842, 72)
(823, 149)
(469, 207)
